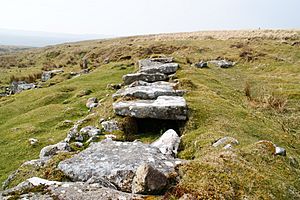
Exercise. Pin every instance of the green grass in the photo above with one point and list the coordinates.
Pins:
(217, 104)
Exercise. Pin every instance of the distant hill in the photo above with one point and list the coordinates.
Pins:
(9, 49)
(40, 39)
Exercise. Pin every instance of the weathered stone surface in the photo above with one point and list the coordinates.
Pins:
(17, 87)
(223, 142)
(168, 143)
(158, 65)
(116, 162)
(92, 102)
(51, 150)
(110, 126)
(164, 107)
(51, 190)
(148, 180)
(29, 184)
(151, 91)
(49, 74)
(223, 63)
(90, 131)
(130, 78)
(201, 64)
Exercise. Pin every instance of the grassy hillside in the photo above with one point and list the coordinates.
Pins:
(257, 99)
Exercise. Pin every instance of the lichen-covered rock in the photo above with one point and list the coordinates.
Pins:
(130, 78)
(280, 151)
(90, 131)
(116, 162)
(149, 91)
(51, 150)
(19, 86)
(33, 141)
(148, 180)
(110, 126)
(164, 107)
(50, 190)
(168, 143)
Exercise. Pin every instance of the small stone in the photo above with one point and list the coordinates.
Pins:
(92, 102)
(51, 150)
(78, 144)
(201, 64)
(280, 151)
(90, 131)
(33, 141)
(148, 180)
(168, 143)
(224, 141)
(110, 126)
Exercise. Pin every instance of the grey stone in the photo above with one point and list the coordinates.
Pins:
(116, 162)
(110, 126)
(33, 141)
(67, 191)
(223, 63)
(280, 151)
(164, 107)
(201, 64)
(168, 143)
(224, 141)
(92, 102)
(149, 180)
(90, 131)
(49, 74)
(150, 91)
(130, 78)
(78, 144)
(51, 150)
(158, 65)
(17, 87)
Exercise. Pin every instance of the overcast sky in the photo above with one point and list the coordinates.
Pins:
(131, 17)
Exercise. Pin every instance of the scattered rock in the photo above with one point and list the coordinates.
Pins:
(51, 150)
(168, 143)
(164, 107)
(92, 102)
(130, 78)
(19, 86)
(225, 141)
(90, 131)
(116, 162)
(270, 147)
(148, 180)
(223, 63)
(280, 151)
(110, 126)
(33, 141)
(201, 64)
(49, 74)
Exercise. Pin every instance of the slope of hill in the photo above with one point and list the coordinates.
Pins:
(257, 99)
(10, 49)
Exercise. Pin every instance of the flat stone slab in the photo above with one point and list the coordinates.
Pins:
(164, 107)
(149, 91)
(130, 78)
(116, 162)
(158, 65)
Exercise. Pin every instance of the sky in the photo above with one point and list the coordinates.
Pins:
(135, 17)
